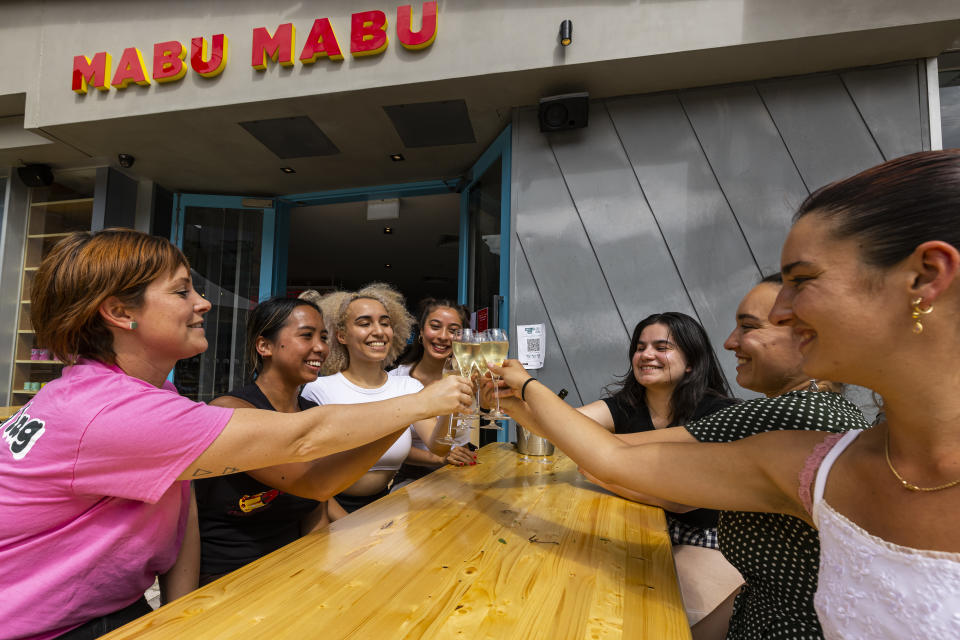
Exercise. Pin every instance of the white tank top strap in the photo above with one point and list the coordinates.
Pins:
(825, 466)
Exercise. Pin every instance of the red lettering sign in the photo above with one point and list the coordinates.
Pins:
(130, 69)
(94, 73)
(213, 65)
(208, 58)
(321, 42)
(428, 26)
(368, 33)
(278, 47)
(168, 60)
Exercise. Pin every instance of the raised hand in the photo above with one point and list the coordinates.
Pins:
(512, 376)
(453, 394)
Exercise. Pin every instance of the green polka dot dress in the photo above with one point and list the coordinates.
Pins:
(778, 555)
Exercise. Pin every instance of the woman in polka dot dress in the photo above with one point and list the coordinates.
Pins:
(872, 290)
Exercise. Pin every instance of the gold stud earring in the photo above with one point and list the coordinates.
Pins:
(916, 313)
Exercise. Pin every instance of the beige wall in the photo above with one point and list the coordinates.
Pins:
(39, 39)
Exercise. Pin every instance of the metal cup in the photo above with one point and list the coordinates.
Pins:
(531, 444)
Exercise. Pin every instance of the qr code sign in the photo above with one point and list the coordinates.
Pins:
(533, 344)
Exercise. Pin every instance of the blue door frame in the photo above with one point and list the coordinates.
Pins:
(499, 149)
(268, 254)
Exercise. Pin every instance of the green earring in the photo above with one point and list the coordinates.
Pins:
(133, 325)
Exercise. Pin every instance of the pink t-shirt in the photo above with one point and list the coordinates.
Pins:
(90, 509)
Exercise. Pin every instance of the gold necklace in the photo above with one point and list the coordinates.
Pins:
(906, 483)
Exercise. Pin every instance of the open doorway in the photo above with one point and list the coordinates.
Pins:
(338, 246)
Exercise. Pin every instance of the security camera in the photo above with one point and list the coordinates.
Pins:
(126, 160)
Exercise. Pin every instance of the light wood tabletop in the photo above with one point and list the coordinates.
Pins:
(7, 412)
(513, 548)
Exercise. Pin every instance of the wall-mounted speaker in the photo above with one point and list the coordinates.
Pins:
(567, 111)
(36, 175)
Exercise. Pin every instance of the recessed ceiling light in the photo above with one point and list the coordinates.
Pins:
(397, 157)
(288, 169)
(386, 266)
(388, 230)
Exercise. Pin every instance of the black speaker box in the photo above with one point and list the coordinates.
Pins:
(36, 175)
(568, 111)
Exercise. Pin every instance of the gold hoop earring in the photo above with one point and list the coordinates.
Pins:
(916, 313)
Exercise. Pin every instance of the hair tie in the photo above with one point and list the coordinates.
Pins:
(523, 389)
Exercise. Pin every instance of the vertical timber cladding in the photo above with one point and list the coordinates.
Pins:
(208, 58)
(680, 201)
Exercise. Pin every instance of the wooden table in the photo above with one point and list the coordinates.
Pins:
(6, 412)
(511, 548)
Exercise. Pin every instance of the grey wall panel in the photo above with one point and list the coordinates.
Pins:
(751, 164)
(574, 291)
(527, 308)
(821, 126)
(887, 100)
(710, 251)
(620, 226)
(674, 199)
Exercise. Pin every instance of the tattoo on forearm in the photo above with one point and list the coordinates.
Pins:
(227, 470)
(201, 472)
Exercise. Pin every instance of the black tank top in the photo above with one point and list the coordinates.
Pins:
(242, 519)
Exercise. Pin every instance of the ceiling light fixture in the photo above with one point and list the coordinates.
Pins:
(397, 157)
(388, 230)
(288, 169)
(386, 266)
(566, 33)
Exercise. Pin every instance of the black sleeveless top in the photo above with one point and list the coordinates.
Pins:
(242, 519)
(628, 419)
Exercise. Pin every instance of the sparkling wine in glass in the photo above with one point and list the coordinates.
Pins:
(494, 350)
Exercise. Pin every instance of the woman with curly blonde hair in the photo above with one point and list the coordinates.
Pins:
(370, 328)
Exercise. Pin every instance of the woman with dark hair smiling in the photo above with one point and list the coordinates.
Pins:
(244, 516)
(674, 377)
(871, 291)
(440, 322)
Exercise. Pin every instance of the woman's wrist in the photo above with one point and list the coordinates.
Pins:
(523, 388)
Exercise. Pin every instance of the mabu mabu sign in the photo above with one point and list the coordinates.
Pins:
(368, 37)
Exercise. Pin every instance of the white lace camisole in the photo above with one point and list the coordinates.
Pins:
(871, 588)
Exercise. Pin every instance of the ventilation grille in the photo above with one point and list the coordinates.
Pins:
(296, 137)
(432, 124)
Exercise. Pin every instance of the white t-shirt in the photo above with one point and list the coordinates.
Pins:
(336, 389)
(461, 440)
(402, 370)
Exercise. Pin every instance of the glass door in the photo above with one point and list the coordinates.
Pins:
(229, 242)
(485, 236)
(485, 247)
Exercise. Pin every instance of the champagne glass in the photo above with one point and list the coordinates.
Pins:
(494, 350)
(450, 368)
(463, 352)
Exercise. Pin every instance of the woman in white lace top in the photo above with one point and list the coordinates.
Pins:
(872, 287)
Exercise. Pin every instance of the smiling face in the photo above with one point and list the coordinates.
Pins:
(657, 362)
(170, 320)
(368, 331)
(299, 348)
(843, 312)
(442, 325)
(768, 360)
